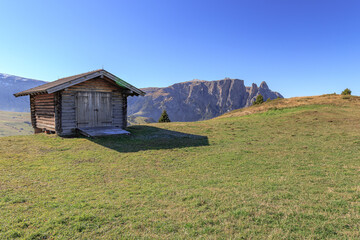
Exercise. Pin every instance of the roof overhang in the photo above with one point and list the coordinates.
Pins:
(101, 73)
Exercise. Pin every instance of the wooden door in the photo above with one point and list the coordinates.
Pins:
(93, 109)
(85, 109)
(103, 109)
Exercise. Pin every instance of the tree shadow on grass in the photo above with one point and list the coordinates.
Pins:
(150, 138)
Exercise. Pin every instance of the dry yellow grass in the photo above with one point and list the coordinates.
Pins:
(281, 103)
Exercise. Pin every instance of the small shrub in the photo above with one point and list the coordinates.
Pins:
(268, 100)
(164, 117)
(346, 92)
(259, 100)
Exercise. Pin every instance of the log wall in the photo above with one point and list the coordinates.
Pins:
(43, 111)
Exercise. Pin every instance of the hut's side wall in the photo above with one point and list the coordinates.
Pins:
(43, 111)
(117, 105)
(68, 114)
(124, 111)
(68, 103)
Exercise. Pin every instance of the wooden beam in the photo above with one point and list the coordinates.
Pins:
(58, 110)
(32, 111)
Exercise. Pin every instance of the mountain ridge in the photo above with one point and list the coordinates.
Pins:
(10, 84)
(198, 99)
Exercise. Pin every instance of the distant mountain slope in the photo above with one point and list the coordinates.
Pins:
(197, 100)
(10, 84)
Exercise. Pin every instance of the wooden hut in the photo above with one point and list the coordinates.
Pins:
(93, 103)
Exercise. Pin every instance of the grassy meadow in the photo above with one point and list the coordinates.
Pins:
(15, 123)
(275, 171)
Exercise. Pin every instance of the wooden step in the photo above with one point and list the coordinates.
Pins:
(101, 131)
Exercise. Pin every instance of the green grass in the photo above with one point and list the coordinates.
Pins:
(15, 123)
(283, 174)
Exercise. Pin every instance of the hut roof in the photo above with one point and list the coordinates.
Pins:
(63, 83)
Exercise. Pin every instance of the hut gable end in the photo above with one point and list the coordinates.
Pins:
(96, 84)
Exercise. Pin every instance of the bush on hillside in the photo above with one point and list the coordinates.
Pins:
(164, 117)
(259, 100)
(346, 92)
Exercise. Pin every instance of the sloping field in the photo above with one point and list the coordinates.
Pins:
(15, 123)
(281, 103)
(286, 173)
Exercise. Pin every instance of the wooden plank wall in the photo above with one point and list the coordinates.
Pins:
(68, 112)
(117, 113)
(68, 102)
(96, 84)
(124, 111)
(44, 111)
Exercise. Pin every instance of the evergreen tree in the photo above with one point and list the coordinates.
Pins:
(164, 117)
(259, 99)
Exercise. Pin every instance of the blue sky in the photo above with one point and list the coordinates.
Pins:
(299, 47)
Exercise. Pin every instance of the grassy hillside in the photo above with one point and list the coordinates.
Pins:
(14, 123)
(285, 173)
(281, 103)
(138, 120)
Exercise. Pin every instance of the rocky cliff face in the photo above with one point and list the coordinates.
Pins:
(197, 100)
(10, 84)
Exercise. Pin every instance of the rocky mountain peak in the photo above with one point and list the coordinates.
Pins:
(253, 89)
(263, 85)
(197, 100)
